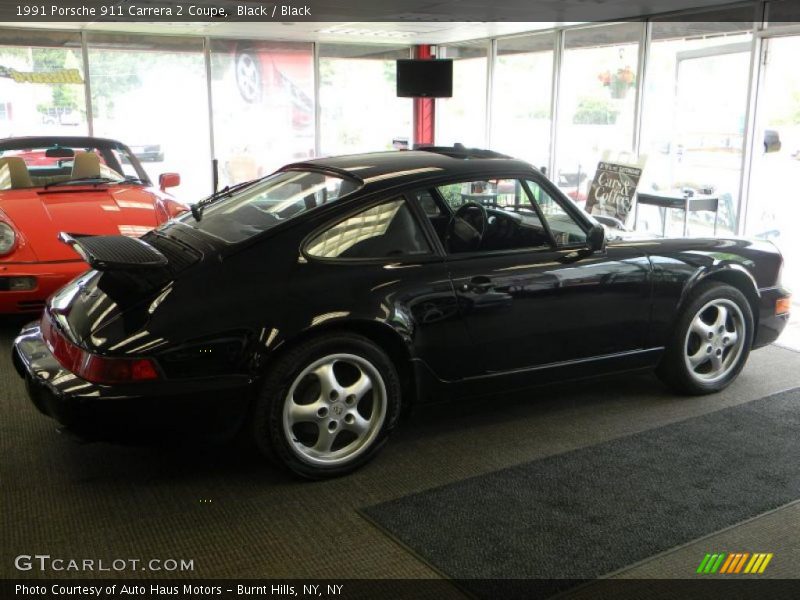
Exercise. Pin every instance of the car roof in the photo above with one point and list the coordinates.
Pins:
(386, 167)
(22, 143)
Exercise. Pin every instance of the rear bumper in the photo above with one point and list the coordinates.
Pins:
(770, 325)
(208, 408)
(49, 278)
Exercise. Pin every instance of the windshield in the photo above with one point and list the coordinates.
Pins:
(270, 202)
(56, 164)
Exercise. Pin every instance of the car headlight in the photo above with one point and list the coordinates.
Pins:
(8, 238)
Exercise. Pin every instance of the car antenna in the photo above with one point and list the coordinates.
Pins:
(197, 211)
(215, 174)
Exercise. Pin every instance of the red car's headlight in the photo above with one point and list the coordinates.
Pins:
(92, 367)
(8, 239)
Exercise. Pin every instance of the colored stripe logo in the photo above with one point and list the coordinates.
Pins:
(734, 563)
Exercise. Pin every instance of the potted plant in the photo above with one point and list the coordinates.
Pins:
(618, 82)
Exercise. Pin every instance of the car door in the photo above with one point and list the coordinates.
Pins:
(379, 264)
(536, 296)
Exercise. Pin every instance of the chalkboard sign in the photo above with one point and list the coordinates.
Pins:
(612, 190)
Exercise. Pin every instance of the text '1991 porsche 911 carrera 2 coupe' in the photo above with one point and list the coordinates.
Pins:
(307, 308)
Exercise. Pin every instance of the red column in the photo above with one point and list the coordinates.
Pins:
(424, 108)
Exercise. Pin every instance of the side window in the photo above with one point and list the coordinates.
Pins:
(387, 230)
(437, 215)
(510, 221)
(428, 204)
(563, 227)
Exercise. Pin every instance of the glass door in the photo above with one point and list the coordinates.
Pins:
(773, 206)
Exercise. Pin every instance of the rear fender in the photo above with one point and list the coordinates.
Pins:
(395, 343)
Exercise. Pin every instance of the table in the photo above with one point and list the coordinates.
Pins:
(686, 203)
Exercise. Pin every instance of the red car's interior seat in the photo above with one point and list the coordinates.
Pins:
(86, 165)
(14, 173)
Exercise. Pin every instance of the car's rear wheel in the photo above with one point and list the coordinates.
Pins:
(711, 342)
(327, 406)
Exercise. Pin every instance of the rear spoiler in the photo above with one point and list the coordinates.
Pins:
(114, 252)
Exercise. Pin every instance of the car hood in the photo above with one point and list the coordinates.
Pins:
(40, 215)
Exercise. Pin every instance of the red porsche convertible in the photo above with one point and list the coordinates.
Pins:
(77, 185)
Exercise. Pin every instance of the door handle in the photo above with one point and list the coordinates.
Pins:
(479, 283)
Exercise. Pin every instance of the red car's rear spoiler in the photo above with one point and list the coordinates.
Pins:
(114, 252)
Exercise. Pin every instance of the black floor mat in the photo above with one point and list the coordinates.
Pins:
(579, 515)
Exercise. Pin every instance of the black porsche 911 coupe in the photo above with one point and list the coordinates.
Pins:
(309, 307)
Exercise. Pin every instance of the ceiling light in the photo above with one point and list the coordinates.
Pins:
(366, 32)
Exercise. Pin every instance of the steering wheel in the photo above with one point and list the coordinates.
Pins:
(468, 231)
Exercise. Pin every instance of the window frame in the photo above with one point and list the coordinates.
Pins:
(559, 201)
(432, 255)
(533, 176)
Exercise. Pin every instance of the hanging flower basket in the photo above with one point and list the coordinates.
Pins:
(619, 82)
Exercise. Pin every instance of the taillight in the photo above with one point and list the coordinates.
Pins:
(116, 370)
(92, 367)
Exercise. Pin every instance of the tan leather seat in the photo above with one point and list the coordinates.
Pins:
(14, 173)
(86, 165)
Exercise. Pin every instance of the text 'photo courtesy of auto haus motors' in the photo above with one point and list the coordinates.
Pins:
(308, 308)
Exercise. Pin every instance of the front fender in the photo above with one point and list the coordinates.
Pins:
(680, 265)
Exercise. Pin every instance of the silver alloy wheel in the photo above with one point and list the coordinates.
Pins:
(248, 77)
(355, 411)
(715, 340)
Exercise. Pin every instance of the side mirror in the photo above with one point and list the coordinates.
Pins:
(772, 141)
(596, 240)
(168, 180)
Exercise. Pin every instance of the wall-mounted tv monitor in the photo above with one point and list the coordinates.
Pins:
(424, 78)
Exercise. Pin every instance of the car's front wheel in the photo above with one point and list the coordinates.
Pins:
(327, 406)
(711, 341)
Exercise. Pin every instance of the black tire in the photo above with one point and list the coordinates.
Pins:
(674, 368)
(269, 427)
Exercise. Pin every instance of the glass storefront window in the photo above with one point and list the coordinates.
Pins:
(772, 209)
(597, 101)
(523, 85)
(41, 84)
(359, 107)
(263, 106)
(150, 93)
(693, 119)
(462, 118)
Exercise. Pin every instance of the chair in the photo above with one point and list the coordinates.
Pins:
(14, 173)
(86, 166)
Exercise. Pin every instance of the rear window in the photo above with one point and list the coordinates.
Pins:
(266, 204)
